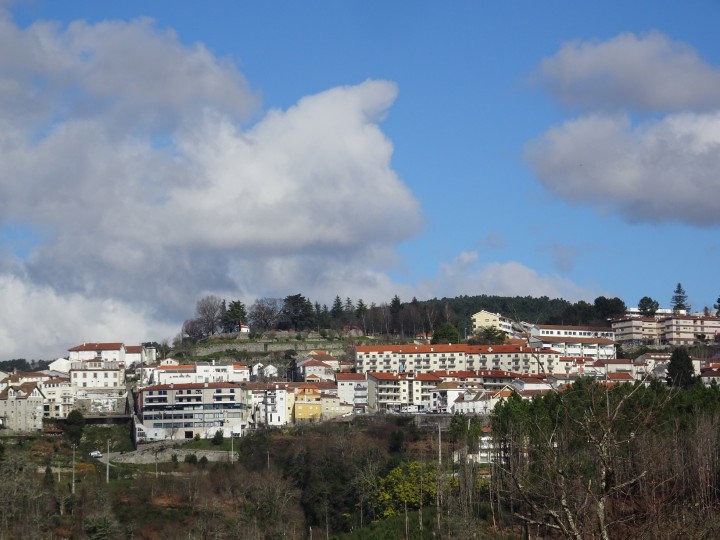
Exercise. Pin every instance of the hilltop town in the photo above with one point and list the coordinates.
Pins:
(184, 398)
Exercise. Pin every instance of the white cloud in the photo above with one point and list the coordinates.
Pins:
(667, 170)
(467, 274)
(659, 169)
(125, 153)
(646, 72)
(38, 322)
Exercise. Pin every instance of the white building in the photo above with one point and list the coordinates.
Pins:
(483, 319)
(59, 397)
(181, 411)
(353, 388)
(97, 377)
(108, 352)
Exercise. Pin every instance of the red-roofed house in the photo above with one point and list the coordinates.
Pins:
(108, 352)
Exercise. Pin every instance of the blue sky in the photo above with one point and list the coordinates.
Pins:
(154, 152)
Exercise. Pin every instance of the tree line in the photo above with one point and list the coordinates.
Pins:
(401, 319)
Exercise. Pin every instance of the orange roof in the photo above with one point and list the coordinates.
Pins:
(411, 349)
(175, 368)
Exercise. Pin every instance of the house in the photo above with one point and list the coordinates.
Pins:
(61, 364)
(333, 407)
(317, 369)
(140, 355)
(21, 407)
(108, 352)
(308, 404)
(479, 401)
(239, 373)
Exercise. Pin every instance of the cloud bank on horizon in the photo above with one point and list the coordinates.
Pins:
(144, 173)
(647, 145)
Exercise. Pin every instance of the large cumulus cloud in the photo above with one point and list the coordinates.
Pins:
(148, 176)
(647, 145)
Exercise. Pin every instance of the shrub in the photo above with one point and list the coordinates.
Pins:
(218, 437)
(191, 458)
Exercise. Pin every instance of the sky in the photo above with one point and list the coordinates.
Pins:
(152, 153)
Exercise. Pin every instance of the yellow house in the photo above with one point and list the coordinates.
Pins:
(308, 404)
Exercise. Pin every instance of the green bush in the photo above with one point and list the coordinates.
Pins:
(191, 458)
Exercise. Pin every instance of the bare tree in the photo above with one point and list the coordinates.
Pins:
(209, 312)
(264, 313)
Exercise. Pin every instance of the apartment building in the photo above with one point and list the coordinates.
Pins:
(515, 358)
(483, 319)
(417, 358)
(353, 388)
(181, 411)
(674, 329)
(59, 397)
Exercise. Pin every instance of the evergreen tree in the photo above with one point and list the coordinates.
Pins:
(336, 311)
(235, 315)
(447, 333)
(679, 299)
(648, 307)
(680, 372)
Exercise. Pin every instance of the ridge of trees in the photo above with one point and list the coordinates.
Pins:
(394, 318)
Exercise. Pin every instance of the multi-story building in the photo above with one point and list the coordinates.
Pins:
(59, 397)
(689, 329)
(515, 358)
(674, 329)
(108, 352)
(308, 404)
(636, 330)
(417, 358)
(276, 407)
(21, 407)
(456, 358)
(387, 392)
(483, 319)
(353, 388)
(170, 411)
(97, 376)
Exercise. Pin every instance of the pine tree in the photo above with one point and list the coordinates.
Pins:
(681, 372)
(679, 299)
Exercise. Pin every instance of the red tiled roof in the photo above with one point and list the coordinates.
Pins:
(411, 349)
(97, 347)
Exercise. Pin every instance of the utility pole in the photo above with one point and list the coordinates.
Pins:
(73, 471)
(107, 463)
